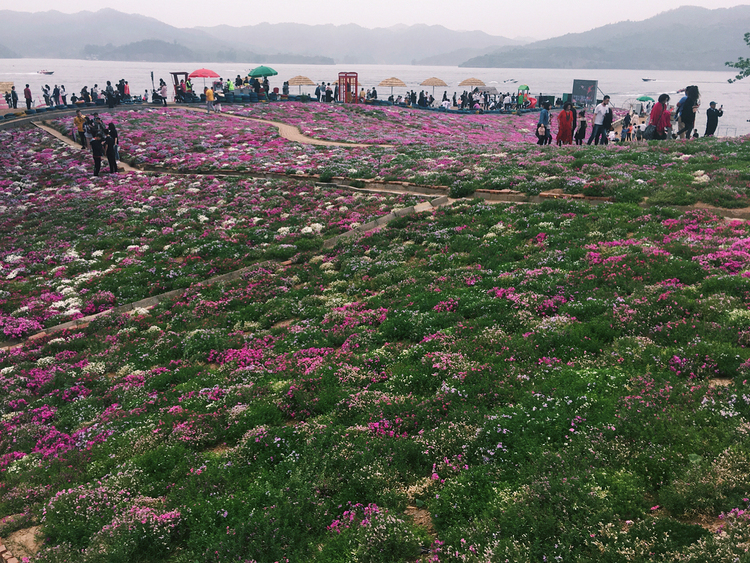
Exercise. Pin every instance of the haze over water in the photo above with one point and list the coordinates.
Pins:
(621, 85)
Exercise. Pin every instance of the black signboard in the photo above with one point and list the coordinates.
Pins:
(584, 92)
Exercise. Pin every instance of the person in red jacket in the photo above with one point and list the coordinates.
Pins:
(27, 96)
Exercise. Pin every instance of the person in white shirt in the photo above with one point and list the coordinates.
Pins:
(599, 130)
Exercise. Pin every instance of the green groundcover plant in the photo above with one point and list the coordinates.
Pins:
(559, 381)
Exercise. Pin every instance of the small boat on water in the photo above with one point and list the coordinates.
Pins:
(648, 79)
(45, 71)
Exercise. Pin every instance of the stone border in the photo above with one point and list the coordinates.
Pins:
(6, 555)
(385, 219)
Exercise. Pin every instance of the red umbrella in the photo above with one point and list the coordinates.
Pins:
(203, 73)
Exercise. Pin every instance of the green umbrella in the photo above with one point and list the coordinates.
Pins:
(523, 87)
(645, 99)
(261, 71)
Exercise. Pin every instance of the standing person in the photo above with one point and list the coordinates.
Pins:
(126, 90)
(317, 93)
(712, 119)
(88, 130)
(98, 128)
(78, 121)
(565, 124)
(581, 127)
(56, 95)
(678, 114)
(109, 92)
(110, 144)
(209, 99)
(46, 95)
(14, 98)
(542, 127)
(689, 109)
(63, 95)
(660, 117)
(95, 93)
(97, 151)
(112, 132)
(598, 131)
(163, 93)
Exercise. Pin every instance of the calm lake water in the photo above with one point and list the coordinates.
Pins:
(621, 85)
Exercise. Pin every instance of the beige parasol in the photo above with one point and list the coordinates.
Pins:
(433, 82)
(300, 81)
(393, 82)
(471, 82)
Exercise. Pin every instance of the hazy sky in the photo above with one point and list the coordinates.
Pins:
(539, 19)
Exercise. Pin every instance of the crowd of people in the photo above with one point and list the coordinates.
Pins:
(678, 121)
(663, 122)
(102, 140)
(58, 96)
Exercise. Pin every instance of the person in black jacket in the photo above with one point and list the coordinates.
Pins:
(712, 119)
(97, 150)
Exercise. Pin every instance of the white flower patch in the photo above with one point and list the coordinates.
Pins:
(13, 258)
(182, 210)
(6, 371)
(97, 254)
(14, 273)
(489, 235)
(57, 341)
(45, 361)
(69, 303)
(152, 329)
(95, 367)
(139, 312)
(202, 218)
(283, 231)
(700, 177)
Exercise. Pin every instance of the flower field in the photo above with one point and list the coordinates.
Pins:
(475, 383)
(394, 125)
(483, 151)
(90, 244)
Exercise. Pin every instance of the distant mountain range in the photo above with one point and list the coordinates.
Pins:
(101, 35)
(687, 38)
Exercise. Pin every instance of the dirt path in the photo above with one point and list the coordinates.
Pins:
(71, 143)
(291, 132)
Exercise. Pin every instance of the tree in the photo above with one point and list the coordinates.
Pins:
(742, 64)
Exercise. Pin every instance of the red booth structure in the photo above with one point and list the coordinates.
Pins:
(348, 87)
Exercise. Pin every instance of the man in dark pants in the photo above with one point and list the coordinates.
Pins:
(598, 131)
(27, 96)
(13, 97)
(712, 119)
(97, 150)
